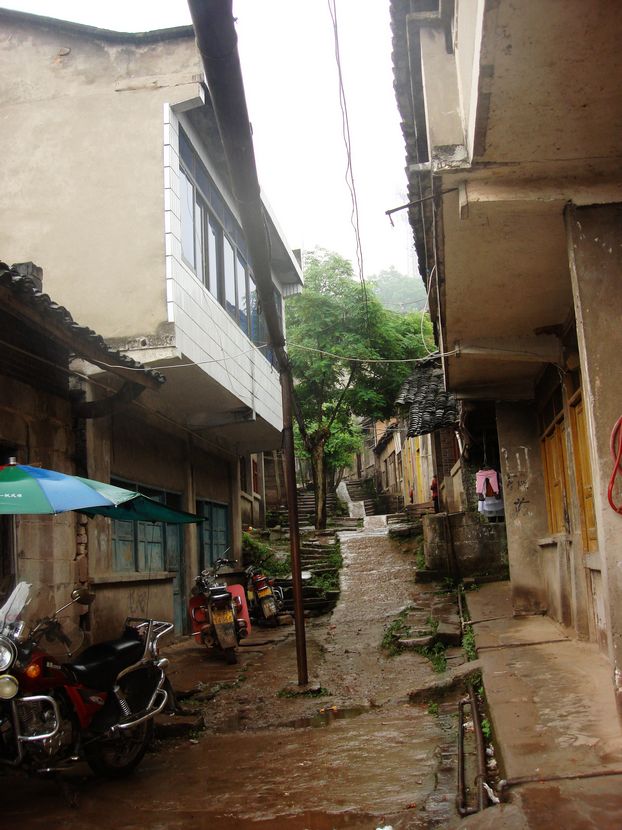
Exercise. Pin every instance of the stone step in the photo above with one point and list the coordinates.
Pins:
(396, 518)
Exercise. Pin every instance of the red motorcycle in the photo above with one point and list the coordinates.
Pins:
(98, 707)
(218, 611)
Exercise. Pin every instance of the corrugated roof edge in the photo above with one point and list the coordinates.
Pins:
(28, 291)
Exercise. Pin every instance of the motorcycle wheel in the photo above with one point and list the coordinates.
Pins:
(231, 656)
(119, 756)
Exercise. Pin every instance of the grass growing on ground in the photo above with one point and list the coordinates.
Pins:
(433, 709)
(394, 632)
(327, 581)
(262, 556)
(468, 643)
(432, 624)
(436, 655)
(398, 630)
(320, 692)
(334, 558)
(419, 555)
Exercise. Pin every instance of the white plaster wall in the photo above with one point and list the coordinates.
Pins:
(204, 332)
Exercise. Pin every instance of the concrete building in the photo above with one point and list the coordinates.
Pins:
(512, 116)
(42, 417)
(117, 186)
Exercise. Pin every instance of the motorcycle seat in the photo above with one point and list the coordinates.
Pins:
(98, 665)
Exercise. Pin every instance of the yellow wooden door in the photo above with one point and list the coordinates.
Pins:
(583, 473)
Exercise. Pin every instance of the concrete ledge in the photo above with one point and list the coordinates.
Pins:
(450, 680)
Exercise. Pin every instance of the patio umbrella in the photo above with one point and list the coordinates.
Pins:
(35, 490)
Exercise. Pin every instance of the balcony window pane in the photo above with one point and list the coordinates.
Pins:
(229, 275)
(199, 214)
(187, 218)
(253, 309)
(242, 298)
(213, 234)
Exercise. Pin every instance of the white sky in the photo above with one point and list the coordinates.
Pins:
(290, 76)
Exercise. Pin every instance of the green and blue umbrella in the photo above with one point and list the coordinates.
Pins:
(35, 490)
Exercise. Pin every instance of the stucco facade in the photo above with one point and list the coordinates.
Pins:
(42, 425)
(118, 188)
(512, 132)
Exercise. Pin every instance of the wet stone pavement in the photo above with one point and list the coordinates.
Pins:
(359, 755)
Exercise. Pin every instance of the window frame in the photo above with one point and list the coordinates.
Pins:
(226, 230)
(221, 549)
(141, 534)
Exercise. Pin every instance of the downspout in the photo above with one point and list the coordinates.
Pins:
(216, 38)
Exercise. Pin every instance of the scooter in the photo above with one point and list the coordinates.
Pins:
(218, 612)
(265, 598)
(97, 707)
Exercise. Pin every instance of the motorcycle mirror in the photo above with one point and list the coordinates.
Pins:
(83, 596)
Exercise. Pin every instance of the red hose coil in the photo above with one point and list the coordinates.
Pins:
(616, 453)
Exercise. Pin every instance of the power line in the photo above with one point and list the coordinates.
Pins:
(371, 359)
(349, 175)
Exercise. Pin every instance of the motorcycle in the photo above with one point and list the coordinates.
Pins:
(97, 707)
(265, 598)
(218, 612)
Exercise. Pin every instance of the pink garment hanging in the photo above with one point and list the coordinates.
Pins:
(481, 476)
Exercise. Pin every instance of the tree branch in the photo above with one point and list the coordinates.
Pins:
(341, 397)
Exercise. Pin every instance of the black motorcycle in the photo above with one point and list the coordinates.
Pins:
(97, 707)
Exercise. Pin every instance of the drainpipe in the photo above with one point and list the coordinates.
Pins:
(216, 38)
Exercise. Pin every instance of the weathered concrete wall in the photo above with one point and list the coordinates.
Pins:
(38, 426)
(525, 503)
(464, 544)
(468, 42)
(595, 252)
(131, 447)
(446, 138)
(556, 562)
(83, 187)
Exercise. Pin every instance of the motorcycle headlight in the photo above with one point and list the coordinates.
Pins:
(8, 686)
(8, 653)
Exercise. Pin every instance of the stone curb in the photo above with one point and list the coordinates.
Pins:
(448, 681)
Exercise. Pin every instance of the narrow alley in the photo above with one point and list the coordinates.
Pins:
(358, 755)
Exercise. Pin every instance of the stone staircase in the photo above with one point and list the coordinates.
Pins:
(306, 506)
(314, 558)
(357, 488)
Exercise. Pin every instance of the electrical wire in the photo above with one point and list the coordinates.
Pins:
(615, 446)
(349, 175)
(426, 310)
(289, 346)
(371, 359)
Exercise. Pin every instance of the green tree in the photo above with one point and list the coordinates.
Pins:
(398, 292)
(346, 439)
(335, 331)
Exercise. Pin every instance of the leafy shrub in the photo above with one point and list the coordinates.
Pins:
(262, 556)
(394, 632)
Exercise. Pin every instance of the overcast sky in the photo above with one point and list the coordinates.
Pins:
(290, 77)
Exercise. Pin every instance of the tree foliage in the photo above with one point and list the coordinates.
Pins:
(338, 334)
(345, 440)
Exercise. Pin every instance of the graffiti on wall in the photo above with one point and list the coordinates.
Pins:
(517, 477)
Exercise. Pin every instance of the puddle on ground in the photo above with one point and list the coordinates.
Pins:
(302, 821)
(327, 716)
(324, 717)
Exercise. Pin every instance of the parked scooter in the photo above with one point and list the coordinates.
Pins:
(265, 598)
(218, 611)
(98, 707)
